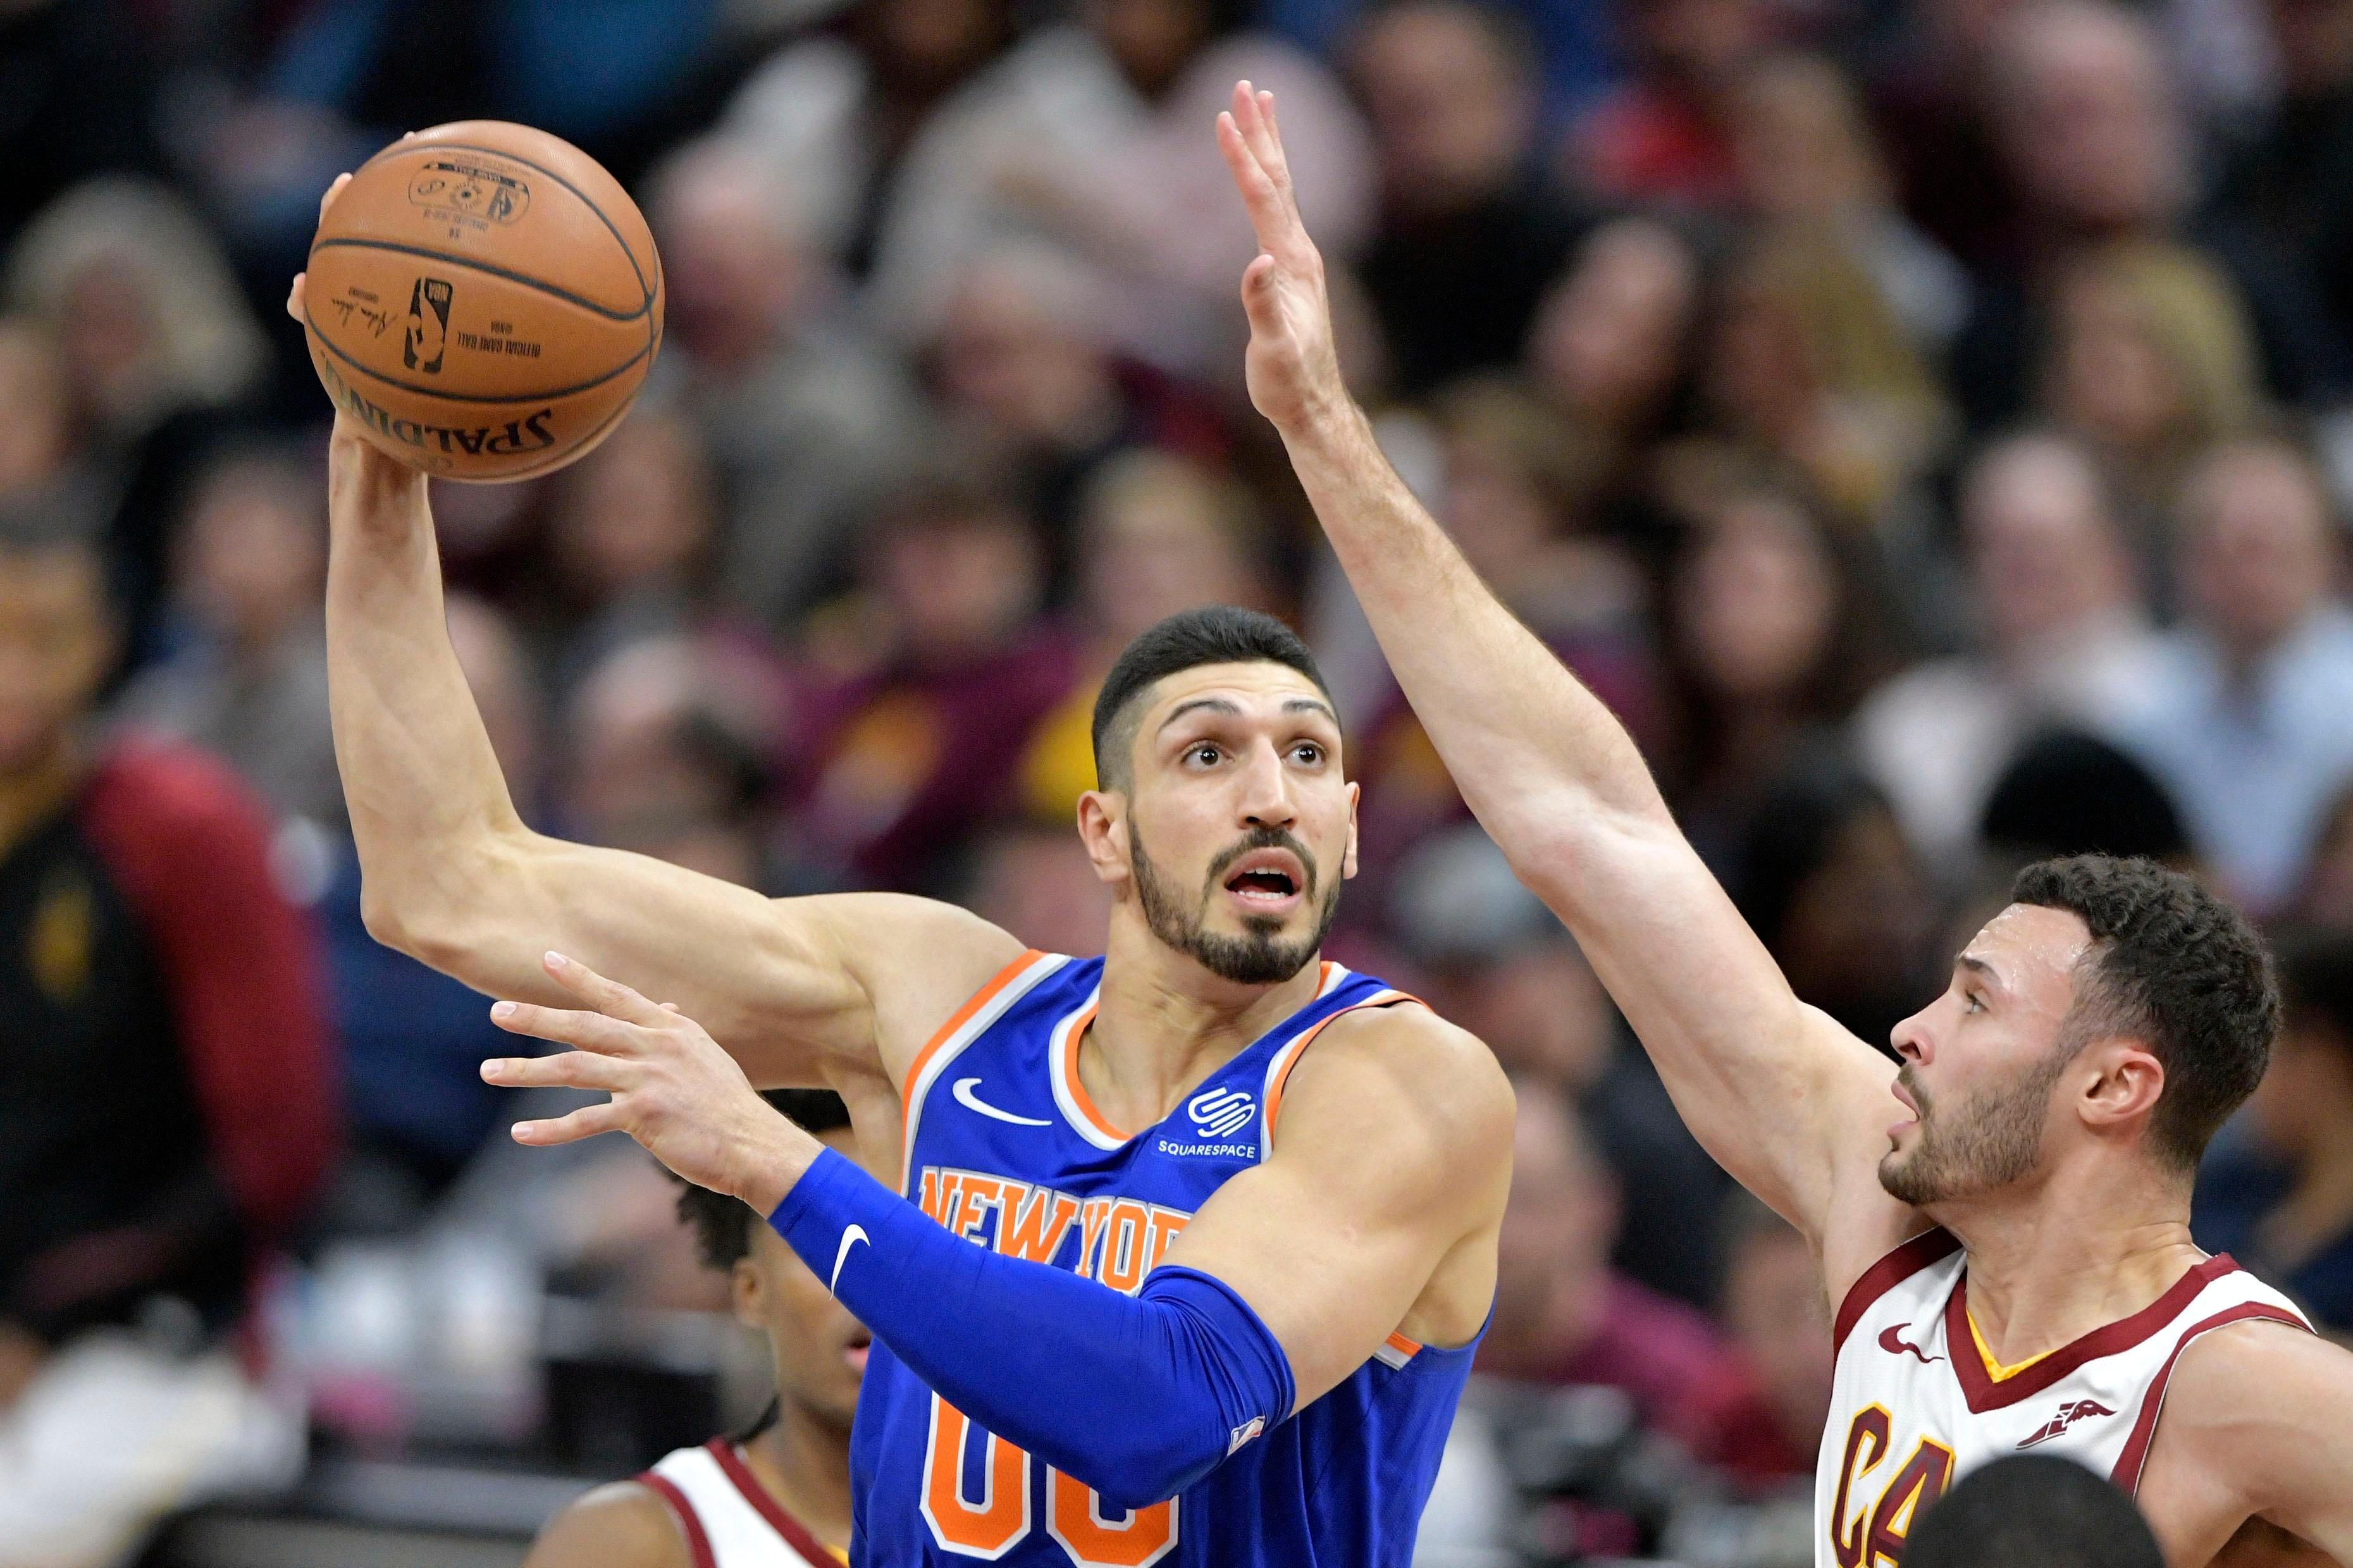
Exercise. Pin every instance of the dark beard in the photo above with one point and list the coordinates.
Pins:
(1256, 958)
(1995, 1139)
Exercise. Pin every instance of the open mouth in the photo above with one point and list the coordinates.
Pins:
(1266, 879)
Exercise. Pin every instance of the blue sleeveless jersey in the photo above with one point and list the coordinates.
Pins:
(1004, 1147)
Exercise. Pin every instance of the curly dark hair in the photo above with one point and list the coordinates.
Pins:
(2176, 968)
(722, 1225)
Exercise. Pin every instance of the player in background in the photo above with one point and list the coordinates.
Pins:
(2012, 1256)
(1180, 1338)
(778, 1497)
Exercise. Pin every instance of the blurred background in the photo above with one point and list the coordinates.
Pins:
(1923, 421)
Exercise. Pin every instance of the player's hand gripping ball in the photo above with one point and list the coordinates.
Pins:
(482, 301)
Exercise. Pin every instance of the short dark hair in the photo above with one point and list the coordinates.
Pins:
(1214, 633)
(2032, 1511)
(722, 1225)
(2176, 968)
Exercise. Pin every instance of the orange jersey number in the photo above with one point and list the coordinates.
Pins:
(999, 1519)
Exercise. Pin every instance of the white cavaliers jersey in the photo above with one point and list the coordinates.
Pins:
(728, 1517)
(1914, 1404)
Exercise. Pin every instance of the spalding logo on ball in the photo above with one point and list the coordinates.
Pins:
(484, 301)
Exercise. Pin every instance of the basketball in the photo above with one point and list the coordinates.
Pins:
(484, 301)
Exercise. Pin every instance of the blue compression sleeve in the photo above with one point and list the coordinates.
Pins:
(1136, 1397)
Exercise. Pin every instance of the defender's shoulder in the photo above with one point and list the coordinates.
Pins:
(624, 1525)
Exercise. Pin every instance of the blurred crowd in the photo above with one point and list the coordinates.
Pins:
(1922, 421)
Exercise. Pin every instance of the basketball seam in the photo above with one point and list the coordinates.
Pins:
(495, 270)
(447, 396)
(585, 200)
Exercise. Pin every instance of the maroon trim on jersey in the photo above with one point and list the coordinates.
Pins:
(698, 1546)
(796, 1534)
(1977, 1385)
(2152, 1404)
(1929, 1246)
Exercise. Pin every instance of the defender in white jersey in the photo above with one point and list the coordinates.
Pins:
(2055, 1099)
(779, 1495)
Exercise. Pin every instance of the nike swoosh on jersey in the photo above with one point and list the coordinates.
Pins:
(971, 1101)
(850, 1238)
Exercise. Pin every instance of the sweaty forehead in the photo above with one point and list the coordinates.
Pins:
(2034, 949)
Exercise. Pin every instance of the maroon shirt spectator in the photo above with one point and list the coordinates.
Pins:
(165, 1103)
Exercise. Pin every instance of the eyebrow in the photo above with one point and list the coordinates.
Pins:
(1221, 705)
(1979, 966)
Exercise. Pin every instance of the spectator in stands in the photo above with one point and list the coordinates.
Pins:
(165, 1088)
(1157, 533)
(1469, 235)
(2326, 895)
(2290, 190)
(81, 101)
(1772, 640)
(2250, 718)
(2032, 1511)
(1808, 160)
(247, 676)
(1665, 136)
(779, 1492)
(920, 739)
(158, 346)
(1500, 964)
(36, 430)
(1026, 378)
(1033, 879)
(1087, 136)
(806, 418)
(2066, 792)
(2149, 361)
(1827, 880)
(1563, 1316)
(629, 537)
(2282, 1201)
(2064, 639)
(1771, 1306)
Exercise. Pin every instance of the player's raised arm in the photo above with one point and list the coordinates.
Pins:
(1786, 1099)
(799, 989)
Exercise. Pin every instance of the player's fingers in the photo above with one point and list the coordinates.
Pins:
(294, 298)
(562, 1070)
(588, 1031)
(334, 190)
(609, 997)
(584, 1122)
(1270, 151)
(1260, 198)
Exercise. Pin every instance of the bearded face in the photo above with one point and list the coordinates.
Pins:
(1979, 1143)
(1257, 954)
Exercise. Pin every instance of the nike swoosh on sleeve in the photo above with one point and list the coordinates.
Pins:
(971, 1101)
(850, 1238)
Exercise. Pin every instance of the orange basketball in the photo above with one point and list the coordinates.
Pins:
(484, 300)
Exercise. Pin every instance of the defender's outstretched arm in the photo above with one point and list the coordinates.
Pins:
(798, 990)
(1786, 1099)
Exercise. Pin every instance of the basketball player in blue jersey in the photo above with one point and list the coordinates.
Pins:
(1173, 1256)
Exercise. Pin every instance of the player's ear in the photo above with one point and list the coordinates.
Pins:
(748, 1294)
(2129, 1083)
(1102, 829)
(1348, 857)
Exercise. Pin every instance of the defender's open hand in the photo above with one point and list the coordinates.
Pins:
(673, 1089)
(1293, 368)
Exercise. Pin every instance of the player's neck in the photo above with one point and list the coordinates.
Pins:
(1165, 1024)
(804, 1463)
(2045, 1269)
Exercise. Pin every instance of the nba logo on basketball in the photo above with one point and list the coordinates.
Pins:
(427, 337)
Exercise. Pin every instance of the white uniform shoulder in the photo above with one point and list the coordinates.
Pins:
(730, 1519)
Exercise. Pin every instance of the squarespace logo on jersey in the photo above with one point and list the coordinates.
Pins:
(1217, 1114)
(528, 434)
